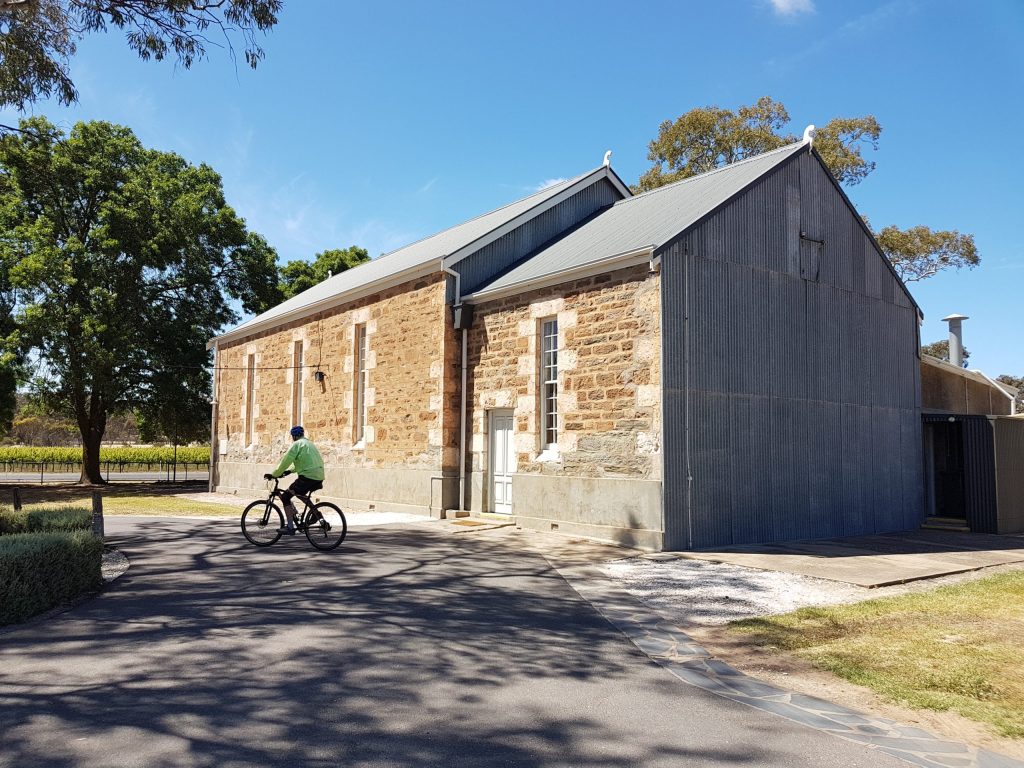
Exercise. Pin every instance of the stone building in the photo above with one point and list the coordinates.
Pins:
(724, 360)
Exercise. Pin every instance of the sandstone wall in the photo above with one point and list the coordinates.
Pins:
(609, 400)
(412, 415)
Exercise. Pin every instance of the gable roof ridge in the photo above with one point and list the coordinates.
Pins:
(712, 172)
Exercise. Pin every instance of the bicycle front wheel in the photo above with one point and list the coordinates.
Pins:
(327, 526)
(260, 523)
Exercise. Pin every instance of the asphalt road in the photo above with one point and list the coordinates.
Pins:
(405, 647)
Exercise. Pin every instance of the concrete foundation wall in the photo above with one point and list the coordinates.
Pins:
(386, 489)
(620, 510)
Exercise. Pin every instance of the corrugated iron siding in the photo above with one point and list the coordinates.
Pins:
(803, 395)
(1009, 434)
(507, 250)
(980, 474)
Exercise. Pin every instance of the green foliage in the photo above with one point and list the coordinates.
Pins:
(124, 260)
(23, 455)
(10, 353)
(706, 138)
(39, 37)
(920, 252)
(44, 520)
(39, 571)
(940, 350)
(710, 137)
(297, 276)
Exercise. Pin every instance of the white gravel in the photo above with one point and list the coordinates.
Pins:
(355, 518)
(699, 592)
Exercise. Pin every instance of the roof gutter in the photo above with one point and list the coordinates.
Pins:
(596, 267)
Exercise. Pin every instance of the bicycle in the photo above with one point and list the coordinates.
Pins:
(323, 523)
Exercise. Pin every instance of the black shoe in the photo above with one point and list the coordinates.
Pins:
(287, 531)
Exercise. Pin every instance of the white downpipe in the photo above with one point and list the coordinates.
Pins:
(462, 393)
(462, 422)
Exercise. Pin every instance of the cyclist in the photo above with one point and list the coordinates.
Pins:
(309, 466)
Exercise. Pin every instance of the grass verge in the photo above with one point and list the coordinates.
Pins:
(957, 648)
(154, 505)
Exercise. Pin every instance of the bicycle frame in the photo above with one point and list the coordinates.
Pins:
(277, 493)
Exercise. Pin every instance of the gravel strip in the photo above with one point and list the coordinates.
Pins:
(114, 565)
(696, 592)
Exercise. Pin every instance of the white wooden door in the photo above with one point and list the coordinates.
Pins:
(503, 462)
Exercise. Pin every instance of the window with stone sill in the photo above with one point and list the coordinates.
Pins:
(359, 390)
(548, 379)
(297, 382)
(250, 393)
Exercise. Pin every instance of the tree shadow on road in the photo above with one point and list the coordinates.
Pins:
(402, 648)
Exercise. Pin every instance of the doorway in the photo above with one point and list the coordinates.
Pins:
(944, 467)
(503, 461)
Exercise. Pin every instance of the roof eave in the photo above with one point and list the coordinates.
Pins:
(338, 299)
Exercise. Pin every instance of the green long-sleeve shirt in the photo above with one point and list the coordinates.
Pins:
(306, 458)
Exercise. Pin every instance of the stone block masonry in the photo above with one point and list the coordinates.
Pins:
(411, 414)
(609, 391)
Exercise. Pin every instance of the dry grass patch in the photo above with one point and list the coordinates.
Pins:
(957, 648)
(154, 505)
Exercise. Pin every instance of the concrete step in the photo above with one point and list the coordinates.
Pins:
(946, 524)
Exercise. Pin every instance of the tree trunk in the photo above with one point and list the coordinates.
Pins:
(92, 424)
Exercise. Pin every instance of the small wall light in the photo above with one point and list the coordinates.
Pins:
(319, 376)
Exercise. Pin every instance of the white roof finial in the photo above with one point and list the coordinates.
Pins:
(607, 158)
(809, 132)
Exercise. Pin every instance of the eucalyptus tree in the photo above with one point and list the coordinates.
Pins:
(124, 261)
(709, 137)
(38, 38)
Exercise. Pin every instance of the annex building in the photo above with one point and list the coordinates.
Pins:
(729, 359)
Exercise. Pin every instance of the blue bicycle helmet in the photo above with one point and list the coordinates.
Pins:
(297, 432)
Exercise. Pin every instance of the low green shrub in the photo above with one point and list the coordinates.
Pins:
(41, 520)
(41, 570)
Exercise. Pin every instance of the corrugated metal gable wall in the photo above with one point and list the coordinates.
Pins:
(507, 250)
(803, 394)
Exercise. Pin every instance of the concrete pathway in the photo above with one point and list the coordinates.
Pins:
(405, 647)
(875, 561)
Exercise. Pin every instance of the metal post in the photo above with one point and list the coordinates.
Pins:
(97, 513)
(956, 339)
(17, 499)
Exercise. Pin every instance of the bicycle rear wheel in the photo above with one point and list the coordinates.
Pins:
(329, 528)
(260, 525)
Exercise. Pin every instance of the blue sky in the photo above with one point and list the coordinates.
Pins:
(375, 124)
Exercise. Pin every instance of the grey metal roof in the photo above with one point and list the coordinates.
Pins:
(397, 262)
(649, 219)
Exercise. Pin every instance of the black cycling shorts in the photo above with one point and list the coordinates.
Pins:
(303, 486)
